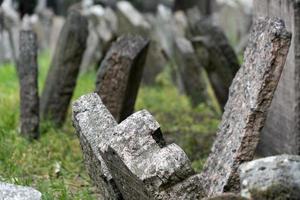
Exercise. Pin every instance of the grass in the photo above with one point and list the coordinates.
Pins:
(54, 163)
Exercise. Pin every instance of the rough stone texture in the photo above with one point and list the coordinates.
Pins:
(142, 165)
(120, 74)
(63, 73)
(282, 130)
(14, 192)
(28, 76)
(275, 177)
(216, 55)
(226, 196)
(91, 119)
(191, 75)
(133, 158)
(250, 97)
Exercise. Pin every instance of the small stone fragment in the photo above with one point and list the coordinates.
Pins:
(14, 192)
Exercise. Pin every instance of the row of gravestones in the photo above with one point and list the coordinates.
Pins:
(121, 70)
(281, 122)
(131, 160)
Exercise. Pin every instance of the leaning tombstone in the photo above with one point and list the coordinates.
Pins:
(281, 133)
(120, 74)
(250, 97)
(62, 76)
(28, 76)
(216, 55)
(191, 76)
(131, 20)
(91, 119)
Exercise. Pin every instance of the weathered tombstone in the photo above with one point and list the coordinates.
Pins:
(91, 119)
(64, 69)
(250, 96)
(134, 158)
(281, 133)
(275, 177)
(15, 192)
(131, 20)
(191, 75)
(28, 76)
(56, 27)
(120, 74)
(216, 55)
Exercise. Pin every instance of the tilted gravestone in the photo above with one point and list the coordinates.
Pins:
(91, 119)
(132, 157)
(63, 73)
(28, 76)
(191, 74)
(216, 55)
(250, 96)
(120, 74)
(281, 133)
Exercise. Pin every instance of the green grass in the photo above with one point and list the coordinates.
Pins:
(54, 163)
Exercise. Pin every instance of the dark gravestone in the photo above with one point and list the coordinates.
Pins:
(28, 75)
(64, 69)
(250, 96)
(191, 75)
(216, 55)
(120, 74)
(282, 130)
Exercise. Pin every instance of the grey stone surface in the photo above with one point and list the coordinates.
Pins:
(62, 75)
(131, 160)
(142, 165)
(91, 119)
(216, 55)
(28, 76)
(227, 196)
(190, 74)
(120, 74)
(131, 20)
(14, 192)
(276, 177)
(250, 96)
(282, 130)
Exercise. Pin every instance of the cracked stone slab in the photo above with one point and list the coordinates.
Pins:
(139, 160)
(15, 192)
(250, 97)
(91, 119)
(276, 176)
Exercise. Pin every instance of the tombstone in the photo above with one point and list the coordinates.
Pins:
(131, 20)
(120, 74)
(190, 74)
(64, 69)
(101, 34)
(282, 130)
(133, 159)
(216, 55)
(28, 76)
(56, 27)
(91, 119)
(275, 177)
(250, 96)
(15, 192)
